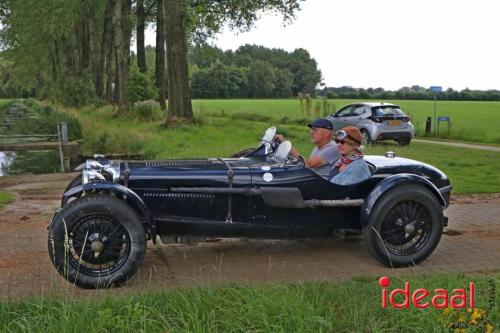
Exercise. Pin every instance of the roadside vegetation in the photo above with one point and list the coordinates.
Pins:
(352, 306)
(25, 117)
(5, 198)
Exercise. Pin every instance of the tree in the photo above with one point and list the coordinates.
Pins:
(160, 53)
(198, 19)
(261, 78)
(283, 82)
(179, 97)
(140, 27)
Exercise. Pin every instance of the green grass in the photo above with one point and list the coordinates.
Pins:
(5, 198)
(470, 171)
(353, 306)
(471, 121)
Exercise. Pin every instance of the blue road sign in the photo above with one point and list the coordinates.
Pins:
(444, 118)
(436, 89)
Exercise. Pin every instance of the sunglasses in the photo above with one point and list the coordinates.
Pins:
(340, 142)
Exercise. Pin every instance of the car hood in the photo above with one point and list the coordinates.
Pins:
(194, 164)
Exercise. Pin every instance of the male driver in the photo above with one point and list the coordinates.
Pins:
(325, 152)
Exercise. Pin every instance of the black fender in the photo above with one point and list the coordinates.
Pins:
(390, 182)
(126, 194)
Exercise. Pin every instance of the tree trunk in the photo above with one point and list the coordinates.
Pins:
(127, 28)
(141, 26)
(160, 53)
(106, 63)
(121, 47)
(77, 51)
(85, 45)
(95, 55)
(179, 97)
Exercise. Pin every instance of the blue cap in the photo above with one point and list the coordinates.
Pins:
(321, 123)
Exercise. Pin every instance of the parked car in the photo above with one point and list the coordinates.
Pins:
(97, 238)
(376, 121)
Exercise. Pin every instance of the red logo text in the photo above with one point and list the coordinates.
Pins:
(421, 298)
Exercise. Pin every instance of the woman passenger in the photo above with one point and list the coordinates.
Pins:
(350, 167)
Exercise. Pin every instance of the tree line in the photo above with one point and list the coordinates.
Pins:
(414, 92)
(252, 71)
(78, 51)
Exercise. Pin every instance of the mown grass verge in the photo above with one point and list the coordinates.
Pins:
(352, 306)
(470, 121)
(5, 198)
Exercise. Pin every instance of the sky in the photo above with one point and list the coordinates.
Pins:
(388, 43)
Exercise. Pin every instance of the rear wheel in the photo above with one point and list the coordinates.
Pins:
(366, 137)
(97, 241)
(404, 142)
(405, 226)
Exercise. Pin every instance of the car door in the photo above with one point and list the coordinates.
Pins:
(341, 117)
(354, 116)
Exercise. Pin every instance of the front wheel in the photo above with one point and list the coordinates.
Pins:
(405, 226)
(97, 241)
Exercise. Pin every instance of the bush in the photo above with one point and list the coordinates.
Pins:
(104, 141)
(74, 90)
(139, 86)
(147, 111)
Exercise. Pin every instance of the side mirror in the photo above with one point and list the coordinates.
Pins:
(283, 150)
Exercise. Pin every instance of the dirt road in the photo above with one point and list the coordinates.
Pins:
(471, 244)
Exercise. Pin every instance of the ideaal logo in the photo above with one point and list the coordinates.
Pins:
(422, 298)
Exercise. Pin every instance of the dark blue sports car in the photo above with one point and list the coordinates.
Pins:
(98, 236)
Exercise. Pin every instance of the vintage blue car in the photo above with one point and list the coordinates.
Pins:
(98, 237)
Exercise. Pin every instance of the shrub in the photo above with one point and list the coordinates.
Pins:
(139, 86)
(147, 111)
(104, 141)
(74, 90)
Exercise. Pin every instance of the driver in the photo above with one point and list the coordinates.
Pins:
(325, 152)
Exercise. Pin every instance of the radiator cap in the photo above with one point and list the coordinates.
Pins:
(390, 154)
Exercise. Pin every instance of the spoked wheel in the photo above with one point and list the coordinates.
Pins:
(97, 241)
(98, 244)
(405, 226)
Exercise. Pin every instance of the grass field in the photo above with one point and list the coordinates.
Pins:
(470, 171)
(353, 306)
(471, 121)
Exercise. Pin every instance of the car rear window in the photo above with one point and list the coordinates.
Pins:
(381, 111)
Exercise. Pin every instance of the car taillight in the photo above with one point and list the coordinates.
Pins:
(406, 119)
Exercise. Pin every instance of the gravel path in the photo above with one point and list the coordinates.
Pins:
(459, 144)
